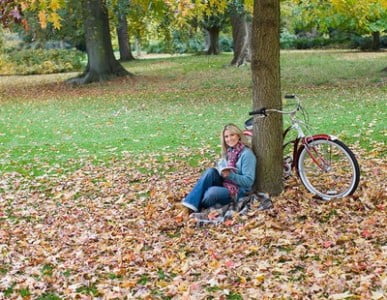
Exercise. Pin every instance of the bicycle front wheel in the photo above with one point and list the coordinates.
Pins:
(328, 169)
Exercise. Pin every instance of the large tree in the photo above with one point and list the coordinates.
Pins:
(265, 66)
(102, 65)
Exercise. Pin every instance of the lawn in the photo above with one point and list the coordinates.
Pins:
(179, 102)
(91, 178)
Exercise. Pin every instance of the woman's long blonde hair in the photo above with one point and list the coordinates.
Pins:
(233, 129)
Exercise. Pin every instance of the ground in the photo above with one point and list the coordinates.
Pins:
(114, 231)
(82, 226)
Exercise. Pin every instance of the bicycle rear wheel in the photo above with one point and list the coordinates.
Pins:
(328, 168)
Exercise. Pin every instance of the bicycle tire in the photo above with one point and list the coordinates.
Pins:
(336, 177)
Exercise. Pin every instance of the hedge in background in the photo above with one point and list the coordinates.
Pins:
(40, 61)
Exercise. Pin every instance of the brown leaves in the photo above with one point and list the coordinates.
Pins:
(115, 232)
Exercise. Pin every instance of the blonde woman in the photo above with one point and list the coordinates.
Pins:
(232, 179)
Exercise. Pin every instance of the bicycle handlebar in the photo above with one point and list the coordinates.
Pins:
(263, 111)
(290, 96)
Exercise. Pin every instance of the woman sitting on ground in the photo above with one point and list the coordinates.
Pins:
(232, 183)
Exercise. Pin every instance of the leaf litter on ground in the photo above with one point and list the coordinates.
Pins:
(118, 231)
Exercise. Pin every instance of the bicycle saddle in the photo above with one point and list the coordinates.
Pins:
(249, 124)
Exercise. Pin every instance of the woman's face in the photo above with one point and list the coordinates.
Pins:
(230, 138)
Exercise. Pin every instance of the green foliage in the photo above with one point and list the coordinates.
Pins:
(47, 270)
(225, 44)
(144, 279)
(366, 43)
(88, 290)
(234, 296)
(2, 57)
(49, 296)
(287, 39)
(1, 40)
(179, 43)
(186, 44)
(39, 61)
(71, 31)
(360, 16)
(25, 292)
(236, 7)
(10, 290)
(213, 21)
(308, 43)
(293, 41)
(336, 39)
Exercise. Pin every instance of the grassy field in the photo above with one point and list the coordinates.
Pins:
(179, 102)
(91, 180)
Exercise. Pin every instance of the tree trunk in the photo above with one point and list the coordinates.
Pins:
(265, 66)
(102, 64)
(213, 47)
(123, 39)
(241, 34)
(376, 41)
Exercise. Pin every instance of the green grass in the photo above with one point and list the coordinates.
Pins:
(176, 103)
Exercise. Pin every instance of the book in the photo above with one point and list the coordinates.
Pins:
(222, 166)
(231, 169)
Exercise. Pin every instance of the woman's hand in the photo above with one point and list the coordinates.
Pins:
(225, 173)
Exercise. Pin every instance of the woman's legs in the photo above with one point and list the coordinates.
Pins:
(215, 195)
(210, 178)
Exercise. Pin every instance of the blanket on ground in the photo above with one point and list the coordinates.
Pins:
(218, 214)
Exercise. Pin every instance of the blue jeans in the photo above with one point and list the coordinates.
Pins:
(208, 191)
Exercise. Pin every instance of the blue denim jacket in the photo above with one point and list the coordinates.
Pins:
(245, 175)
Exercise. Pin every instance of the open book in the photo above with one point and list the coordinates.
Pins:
(231, 169)
(222, 166)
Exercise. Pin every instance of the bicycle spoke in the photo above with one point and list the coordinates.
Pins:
(327, 169)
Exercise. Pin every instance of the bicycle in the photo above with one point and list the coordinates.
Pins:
(324, 164)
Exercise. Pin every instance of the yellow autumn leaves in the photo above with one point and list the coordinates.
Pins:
(360, 10)
(183, 10)
(51, 17)
(362, 15)
(47, 11)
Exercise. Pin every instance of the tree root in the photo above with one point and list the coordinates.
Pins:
(90, 76)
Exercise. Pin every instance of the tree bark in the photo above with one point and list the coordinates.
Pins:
(102, 64)
(376, 41)
(213, 47)
(123, 39)
(241, 34)
(265, 66)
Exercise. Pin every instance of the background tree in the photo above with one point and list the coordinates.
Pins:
(265, 66)
(241, 32)
(146, 19)
(101, 65)
(213, 24)
(210, 15)
(121, 10)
